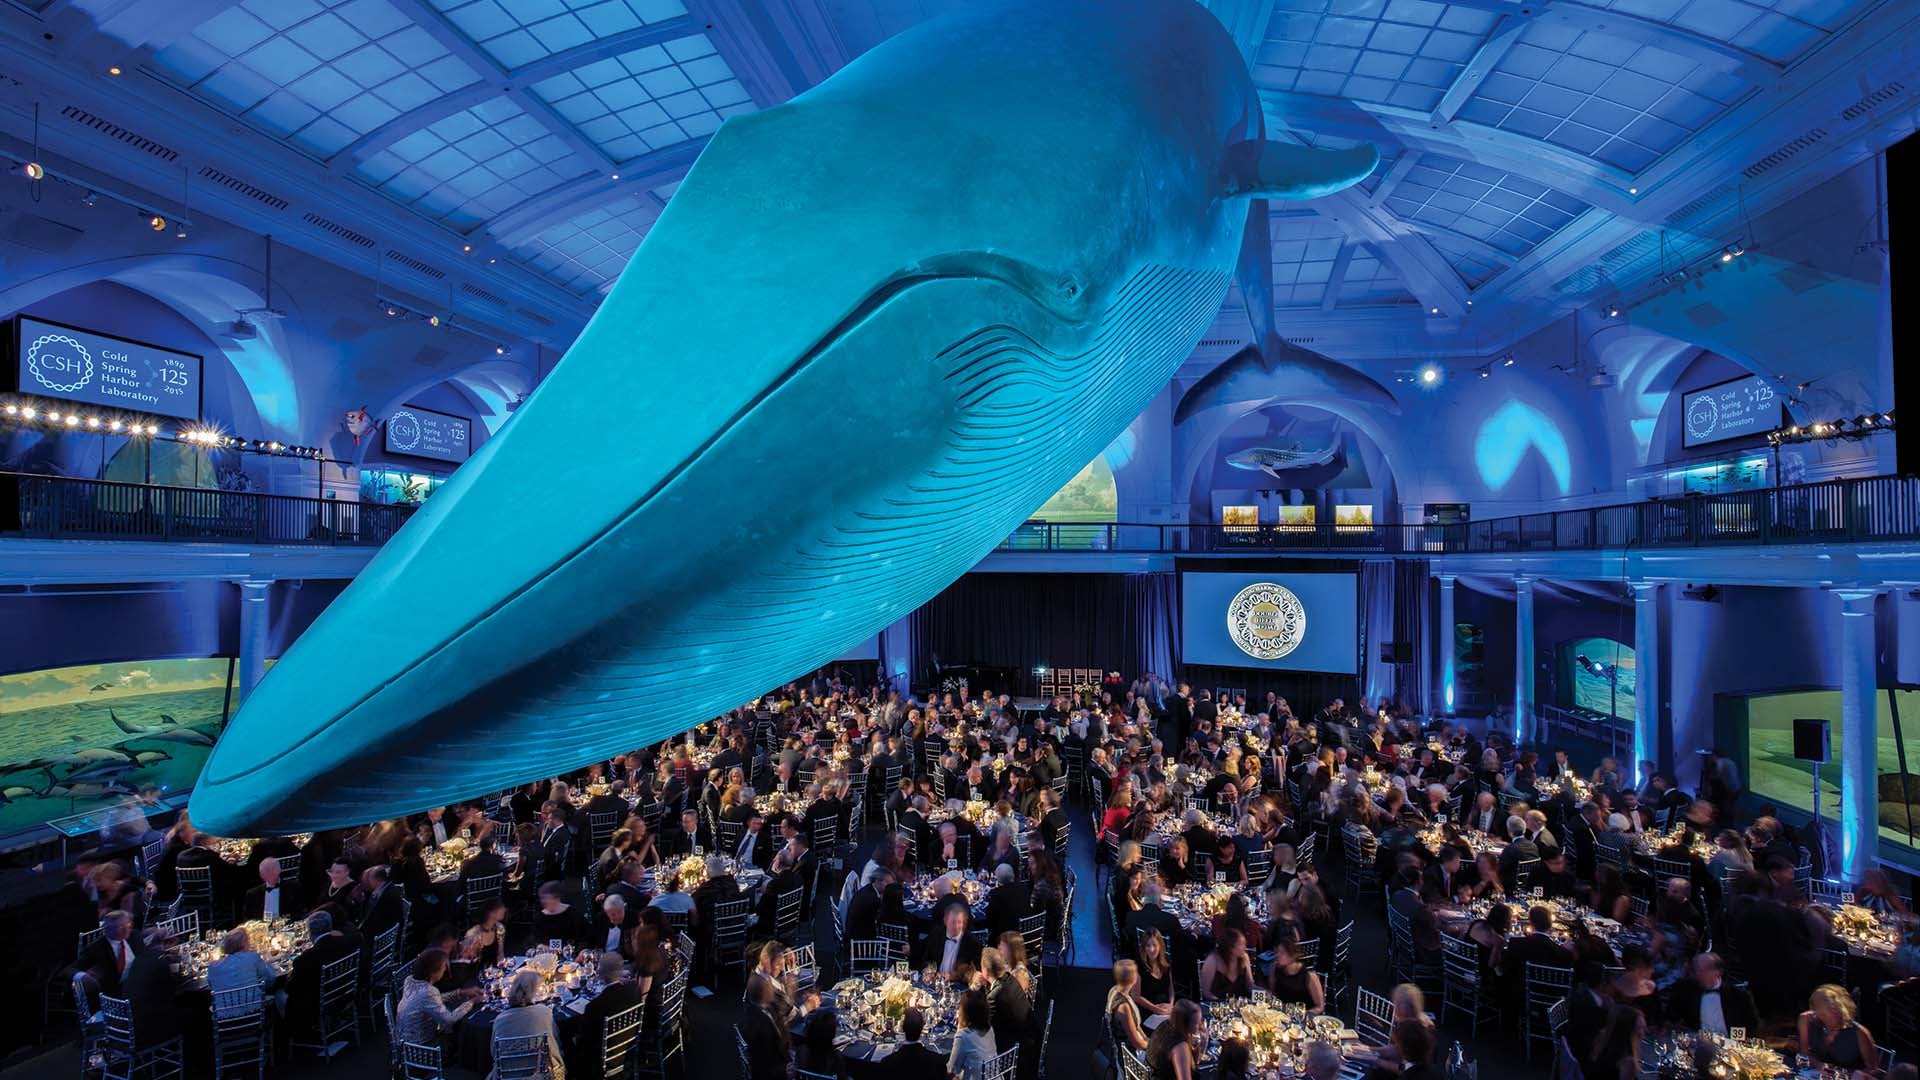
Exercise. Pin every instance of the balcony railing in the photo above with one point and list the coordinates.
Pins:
(1874, 509)
(68, 508)
(1869, 510)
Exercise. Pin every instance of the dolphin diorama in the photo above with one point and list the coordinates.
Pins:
(874, 329)
(1274, 460)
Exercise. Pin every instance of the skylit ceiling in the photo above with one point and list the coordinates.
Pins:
(555, 130)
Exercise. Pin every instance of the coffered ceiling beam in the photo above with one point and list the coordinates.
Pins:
(520, 81)
(457, 43)
(1505, 33)
(1337, 276)
(777, 48)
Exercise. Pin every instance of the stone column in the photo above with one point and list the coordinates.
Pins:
(1443, 647)
(1859, 741)
(1646, 676)
(253, 634)
(1522, 659)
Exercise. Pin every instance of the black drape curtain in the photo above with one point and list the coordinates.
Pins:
(1413, 624)
(1128, 623)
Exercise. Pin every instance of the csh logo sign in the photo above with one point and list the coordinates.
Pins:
(1266, 620)
(60, 363)
(403, 430)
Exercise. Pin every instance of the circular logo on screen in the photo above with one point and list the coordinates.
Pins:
(1266, 621)
(1702, 417)
(59, 363)
(403, 430)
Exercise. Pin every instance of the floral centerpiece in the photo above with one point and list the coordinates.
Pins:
(1214, 900)
(896, 995)
(1747, 1061)
(1852, 920)
(692, 872)
(455, 846)
(1265, 1026)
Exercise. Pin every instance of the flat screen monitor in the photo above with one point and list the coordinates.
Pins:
(89, 368)
(424, 433)
(1285, 622)
(1729, 410)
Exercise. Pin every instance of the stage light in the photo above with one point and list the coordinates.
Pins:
(466, 249)
(1726, 256)
(157, 223)
(113, 425)
(53, 417)
(1486, 374)
(13, 410)
(1633, 191)
(433, 320)
(392, 311)
(72, 420)
(499, 350)
(1041, 670)
(114, 70)
(1507, 362)
(1429, 375)
(35, 170)
(29, 412)
(1613, 311)
(93, 422)
(89, 199)
(615, 176)
(1433, 311)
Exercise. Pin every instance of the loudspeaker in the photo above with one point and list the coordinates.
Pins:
(1396, 652)
(1810, 740)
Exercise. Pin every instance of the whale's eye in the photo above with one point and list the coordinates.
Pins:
(1069, 287)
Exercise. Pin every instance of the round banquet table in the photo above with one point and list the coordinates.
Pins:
(919, 899)
(568, 986)
(868, 1006)
(1277, 1035)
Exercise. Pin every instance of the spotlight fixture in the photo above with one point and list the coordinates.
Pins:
(466, 249)
(90, 199)
(1633, 191)
(1507, 360)
(392, 311)
(615, 176)
(29, 412)
(499, 350)
(1433, 311)
(433, 320)
(1429, 375)
(114, 70)
(1613, 311)
(12, 409)
(1600, 380)
(93, 422)
(1485, 372)
(156, 223)
(72, 420)
(35, 170)
(113, 425)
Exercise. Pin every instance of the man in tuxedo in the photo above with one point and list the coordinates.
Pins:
(1582, 832)
(913, 822)
(588, 1052)
(484, 862)
(1537, 832)
(611, 921)
(628, 888)
(719, 888)
(383, 902)
(152, 989)
(109, 956)
(1007, 903)
(1555, 878)
(608, 800)
(434, 829)
(1705, 1001)
(268, 900)
(951, 950)
(912, 1061)
(1407, 901)
(785, 879)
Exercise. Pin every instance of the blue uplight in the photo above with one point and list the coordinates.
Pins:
(1505, 437)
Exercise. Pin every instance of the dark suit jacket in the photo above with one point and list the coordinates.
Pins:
(382, 911)
(1736, 1005)
(1005, 905)
(1533, 949)
(766, 1046)
(98, 960)
(152, 989)
(863, 915)
(913, 1062)
(1150, 917)
(584, 1057)
(303, 983)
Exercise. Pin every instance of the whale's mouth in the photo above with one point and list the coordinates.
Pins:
(1059, 295)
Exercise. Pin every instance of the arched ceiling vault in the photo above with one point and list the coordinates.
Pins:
(1529, 146)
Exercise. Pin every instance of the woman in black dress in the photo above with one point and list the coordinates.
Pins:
(1170, 1053)
(1293, 982)
(1228, 972)
(1156, 974)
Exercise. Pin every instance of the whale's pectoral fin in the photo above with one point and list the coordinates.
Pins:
(1278, 170)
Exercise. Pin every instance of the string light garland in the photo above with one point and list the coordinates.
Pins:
(28, 412)
(1859, 427)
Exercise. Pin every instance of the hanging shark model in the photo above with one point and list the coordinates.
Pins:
(874, 329)
(1273, 460)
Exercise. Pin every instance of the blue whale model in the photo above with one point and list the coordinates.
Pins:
(874, 329)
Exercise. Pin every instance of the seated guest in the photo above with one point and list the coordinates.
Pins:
(1008, 1003)
(303, 983)
(814, 1050)
(423, 1015)
(973, 1044)
(671, 899)
(1536, 947)
(1616, 1051)
(1323, 1061)
(719, 888)
(610, 925)
(765, 1033)
(1010, 900)
(1411, 1056)
(109, 956)
(557, 920)
(951, 950)
(1705, 1001)
(1293, 982)
(1234, 1060)
(485, 942)
(382, 910)
(1170, 1052)
(588, 1052)
(152, 988)
(1831, 1034)
(239, 966)
(1126, 1029)
(1228, 971)
(1156, 975)
(268, 900)
(910, 1060)
(338, 888)
(1555, 878)
(527, 1017)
